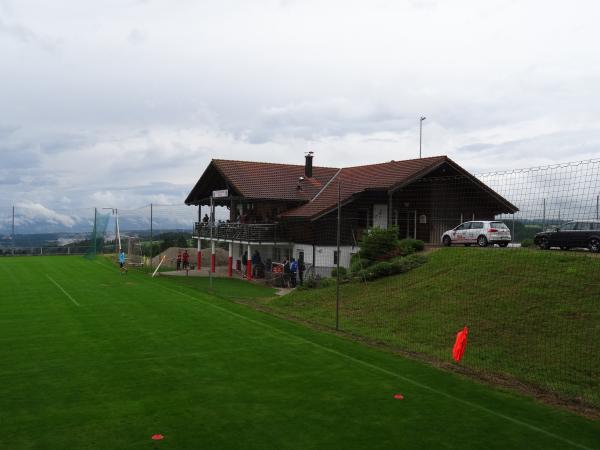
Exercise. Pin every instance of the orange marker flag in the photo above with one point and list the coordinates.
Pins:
(460, 345)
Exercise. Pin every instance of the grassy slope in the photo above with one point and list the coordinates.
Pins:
(532, 315)
(143, 356)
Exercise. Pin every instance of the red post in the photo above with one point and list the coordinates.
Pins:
(199, 261)
(230, 267)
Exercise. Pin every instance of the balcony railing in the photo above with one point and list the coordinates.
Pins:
(255, 232)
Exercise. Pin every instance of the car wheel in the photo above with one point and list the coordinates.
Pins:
(503, 244)
(446, 241)
(544, 243)
(594, 245)
(482, 241)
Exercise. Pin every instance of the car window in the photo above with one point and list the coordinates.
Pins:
(498, 225)
(595, 226)
(476, 225)
(463, 226)
(584, 226)
(568, 226)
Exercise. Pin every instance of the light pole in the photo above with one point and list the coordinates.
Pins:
(421, 133)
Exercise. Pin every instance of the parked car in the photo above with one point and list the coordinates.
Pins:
(480, 232)
(576, 234)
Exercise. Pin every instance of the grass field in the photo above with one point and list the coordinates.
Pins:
(95, 360)
(533, 316)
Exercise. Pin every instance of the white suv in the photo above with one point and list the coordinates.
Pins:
(480, 232)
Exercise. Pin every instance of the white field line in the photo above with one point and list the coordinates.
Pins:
(63, 291)
(388, 372)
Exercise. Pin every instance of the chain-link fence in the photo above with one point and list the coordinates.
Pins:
(513, 256)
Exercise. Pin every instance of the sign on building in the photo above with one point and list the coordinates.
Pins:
(220, 194)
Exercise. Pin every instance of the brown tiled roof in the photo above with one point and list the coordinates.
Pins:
(319, 194)
(360, 178)
(259, 180)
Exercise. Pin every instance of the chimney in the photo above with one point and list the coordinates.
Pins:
(308, 165)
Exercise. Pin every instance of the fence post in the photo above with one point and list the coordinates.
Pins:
(95, 240)
(13, 230)
(514, 233)
(337, 293)
(597, 209)
(151, 236)
(544, 217)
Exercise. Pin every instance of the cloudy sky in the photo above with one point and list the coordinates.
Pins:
(123, 102)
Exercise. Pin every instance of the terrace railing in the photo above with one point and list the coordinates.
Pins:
(255, 232)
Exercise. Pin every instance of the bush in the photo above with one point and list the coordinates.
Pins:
(410, 246)
(358, 263)
(385, 268)
(377, 242)
(343, 272)
(527, 243)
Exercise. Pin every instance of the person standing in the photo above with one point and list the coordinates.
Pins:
(256, 262)
(301, 269)
(179, 260)
(122, 258)
(293, 271)
(186, 260)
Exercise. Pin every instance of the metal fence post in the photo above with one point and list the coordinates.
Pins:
(544, 217)
(95, 223)
(13, 230)
(151, 236)
(339, 226)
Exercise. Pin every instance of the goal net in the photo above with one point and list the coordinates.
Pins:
(97, 238)
(135, 255)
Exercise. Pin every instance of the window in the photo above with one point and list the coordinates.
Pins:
(568, 226)
(335, 257)
(463, 226)
(501, 225)
(595, 226)
(476, 225)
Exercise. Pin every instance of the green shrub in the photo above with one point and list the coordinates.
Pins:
(527, 243)
(343, 272)
(357, 264)
(377, 242)
(410, 246)
(326, 282)
(385, 268)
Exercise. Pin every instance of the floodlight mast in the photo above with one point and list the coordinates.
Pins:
(421, 133)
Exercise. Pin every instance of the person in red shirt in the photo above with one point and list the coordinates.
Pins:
(186, 260)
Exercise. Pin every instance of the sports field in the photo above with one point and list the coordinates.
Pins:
(91, 359)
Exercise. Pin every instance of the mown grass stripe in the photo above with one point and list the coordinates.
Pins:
(63, 291)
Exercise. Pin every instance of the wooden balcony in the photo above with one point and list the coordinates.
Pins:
(242, 232)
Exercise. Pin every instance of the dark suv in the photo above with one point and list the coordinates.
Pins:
(580, 234)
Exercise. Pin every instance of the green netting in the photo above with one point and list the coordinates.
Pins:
(97, 237)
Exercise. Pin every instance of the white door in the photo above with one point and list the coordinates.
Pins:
(380, 216)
